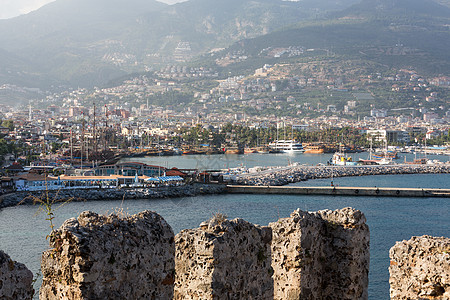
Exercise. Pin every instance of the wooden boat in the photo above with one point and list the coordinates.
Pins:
(234, 150)
(314, 149)
(250, 150)
(189, 152)
(386, 154)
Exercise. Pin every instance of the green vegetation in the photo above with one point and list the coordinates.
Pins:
(252, 137)
(8, 124)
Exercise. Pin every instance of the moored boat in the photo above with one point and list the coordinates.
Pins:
(315, 149)
(288, 146)
(250, 150)
(234, 150)
(340, 159)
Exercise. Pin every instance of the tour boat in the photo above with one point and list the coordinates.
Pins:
(288, 146)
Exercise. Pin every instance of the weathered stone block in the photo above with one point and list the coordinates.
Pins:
(16, 281)
(321, 255)
(224, 260)
(420, 268)
(110, 257)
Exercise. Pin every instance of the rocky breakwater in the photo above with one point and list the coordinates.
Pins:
(112, 194)
(16, 281)
(108, 257)
(420, 268)
(321, 255)
(278, 177)
(224, 259)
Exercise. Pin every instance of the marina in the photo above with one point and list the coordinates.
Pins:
(390, 219)
(23, 233)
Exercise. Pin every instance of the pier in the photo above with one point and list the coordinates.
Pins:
(339, 191)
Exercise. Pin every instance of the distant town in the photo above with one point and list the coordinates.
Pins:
(180, 110)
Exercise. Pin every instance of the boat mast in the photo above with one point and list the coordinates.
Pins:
(95, 134)
(82, 144)
(71, 148)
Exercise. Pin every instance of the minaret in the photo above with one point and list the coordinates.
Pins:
(105, 130)
(30, 112)
(95, 134)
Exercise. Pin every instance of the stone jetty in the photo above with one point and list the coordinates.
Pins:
(113, 194)
(283, 176)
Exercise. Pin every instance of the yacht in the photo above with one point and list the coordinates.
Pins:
(287, 146)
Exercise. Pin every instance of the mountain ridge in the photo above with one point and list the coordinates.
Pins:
(80, 43)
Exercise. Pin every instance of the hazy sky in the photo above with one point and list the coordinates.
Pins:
(13, 8)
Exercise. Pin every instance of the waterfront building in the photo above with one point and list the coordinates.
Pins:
(130, 169)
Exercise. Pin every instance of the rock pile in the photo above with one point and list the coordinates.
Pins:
(301, 173)
(420, 268)
(16, 281)
(109, 257)
(321, 255)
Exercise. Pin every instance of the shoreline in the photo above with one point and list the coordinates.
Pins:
(191, 190)
(273, 177)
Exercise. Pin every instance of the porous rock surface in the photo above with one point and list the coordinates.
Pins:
(110, 257)
(420, 268)
(224, 259)
(16, 281)
(321, 255)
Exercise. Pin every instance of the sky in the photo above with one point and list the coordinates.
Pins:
(14, 8)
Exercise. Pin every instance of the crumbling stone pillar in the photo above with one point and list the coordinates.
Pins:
(321, 255)
(16, 281)
(224, 260)
(110, 257)
(420, 268)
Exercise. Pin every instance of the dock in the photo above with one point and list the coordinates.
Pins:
(339, 191)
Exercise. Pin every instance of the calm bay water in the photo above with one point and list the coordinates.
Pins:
(214, 162)
(22, 232)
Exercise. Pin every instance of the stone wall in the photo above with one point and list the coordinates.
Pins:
(16, 281)
(420, 268)
(107, 257)
(318, 255)
(224, 260)
(322, 255)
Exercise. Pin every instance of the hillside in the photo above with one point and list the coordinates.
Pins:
(396, 33)
(86, 43)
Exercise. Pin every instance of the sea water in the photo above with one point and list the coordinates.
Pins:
(23, 231)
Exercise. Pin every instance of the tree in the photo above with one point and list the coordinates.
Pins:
(8, 124)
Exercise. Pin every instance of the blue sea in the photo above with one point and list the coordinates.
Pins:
(23, 230)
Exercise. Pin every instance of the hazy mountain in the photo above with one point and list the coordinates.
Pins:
(88, 42)
(398, 33)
